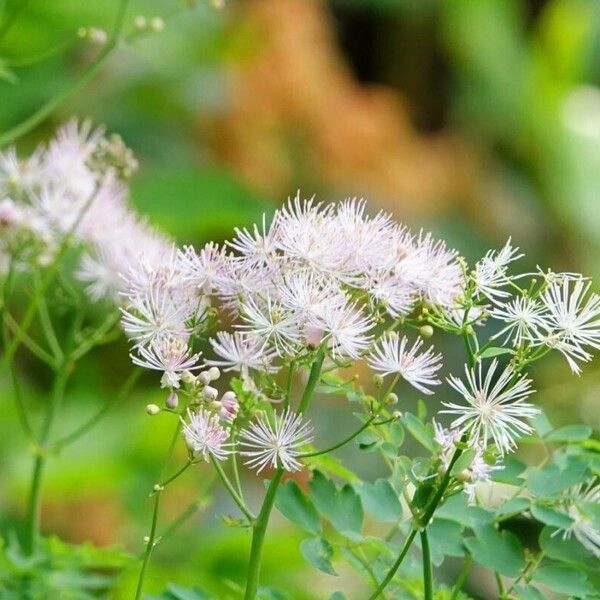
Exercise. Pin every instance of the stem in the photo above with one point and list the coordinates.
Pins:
(35, 495)
(501, 589)
(29, 342)
(173, 477)
(427, 574)
(313, 378)
(20, 403)
(258, 537)
(288, 387)
(228, 485)
(462, 577)
(149, 547)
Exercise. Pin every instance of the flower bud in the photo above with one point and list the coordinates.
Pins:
(397, 415)
(188, 378)
(377, 380)
(464, 475)
(229, 406)
(214, 373)
(152, 409)
(313, 335)
(210, 393)
(426, 331)
(172, 400)
(157, 24)
(204, 378)
(140, 22)
(391, 398)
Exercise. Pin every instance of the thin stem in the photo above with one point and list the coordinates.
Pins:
(313, 378)
(258, 537)
(427, 573)
(407, 544)
(150, 542)
(500, 583)
(40, 56)
(46, 323)
(235, 469)
(93, 421)
(359, 555)
(173, 477)
(44, 111)
(462, 577)
(35, 495)
(97, 337)
(289, 383)
(20, 403)
(29, 342)
(233, 493)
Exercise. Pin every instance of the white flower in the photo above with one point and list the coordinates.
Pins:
(241, 351)
(391, 354)
(390, 289)
(204, 270)
(573, 320)
(275, 444)
(345, 327)
(491, 271)
(205, 436)
(493, 410)
(480, 472)
(447, 440)
(257, 246)
(170, 355)
(523, 317)
(583, 526)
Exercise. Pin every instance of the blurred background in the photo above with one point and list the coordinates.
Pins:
(477, 120)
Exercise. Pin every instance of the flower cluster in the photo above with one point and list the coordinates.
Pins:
(73, 190)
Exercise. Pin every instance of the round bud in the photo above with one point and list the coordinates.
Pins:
(391, 398)
(188, 378)
(469, 329)
(397, 414)
(146, 539)
(152, 409)
(172, 400)
(464, 475)
(157, 24)
(210, 393)
(157, 487)
(140, 22)
(214, 373)
(426, 331)
(82, 32)
(204, 378)
(377, 380)
(98, 36)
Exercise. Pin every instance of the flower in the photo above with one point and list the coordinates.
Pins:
(170, 355)
(583, 526)
(275, 443)
(491, 271)
(241, 351)
(493, 410)
(391, 354)
(523, 317)
(480, 472)
(205, 436)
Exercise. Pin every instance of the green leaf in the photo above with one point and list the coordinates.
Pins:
(498, 550)
(551, 516)
(570, 433)
(528, 592)
(421, 432)
(511, 473)
(421, 409)
(464, 461)
(445, 539)
(318, 553)
(368, 440)
(547, 481)
(380, 500)
(564, 580)
(396, 434)
(342, 508)
(566, 549)
(457, 509)
(513, 506)
(293, 503)
(491, 352)
(331, 464)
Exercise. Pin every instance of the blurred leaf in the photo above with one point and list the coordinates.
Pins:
(318, 553)
(445, 539)
(196, 204)
(337, 596)
(491, 352)
(457, 509)
(528, 592)
(551, 516)
(297, 507)
(423, 433)
(566, 549)
(342, 508)
(570, 433)
(380, 500)
(513, 506)
(564, 580)
(331, 464)
(464, 461)
(498, 550)
(550, 479)
(176, 592)
(511, 472)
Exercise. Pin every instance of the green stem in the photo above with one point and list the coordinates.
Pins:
(462, 577)
(258, 537)
(29, 342)
(149, 547)
(173, 477)
(427, 573)
(233, 493)
(313, 378)
(35, 495)
(289, 383)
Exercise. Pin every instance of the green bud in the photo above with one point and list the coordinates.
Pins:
(426, 331)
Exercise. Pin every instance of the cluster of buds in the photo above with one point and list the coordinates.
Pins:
(93, 34)
(111, 153)
(155, 24)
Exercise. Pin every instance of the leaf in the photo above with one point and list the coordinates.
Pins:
(396, 434)
(318, 553)
(551, 516)
(6, 73)
(513, 506)
(511, 473)
(547, 481)
(491, 352)
(566, 549)
(445, 539)
(294, 504)
(342, 508)
(570, 433)
(421, 432)
(380, 500)
(368, 440)
(464, 461)
(456, 509)
(331, 464)
(498, 550)
(564, 580)
(528, 592)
